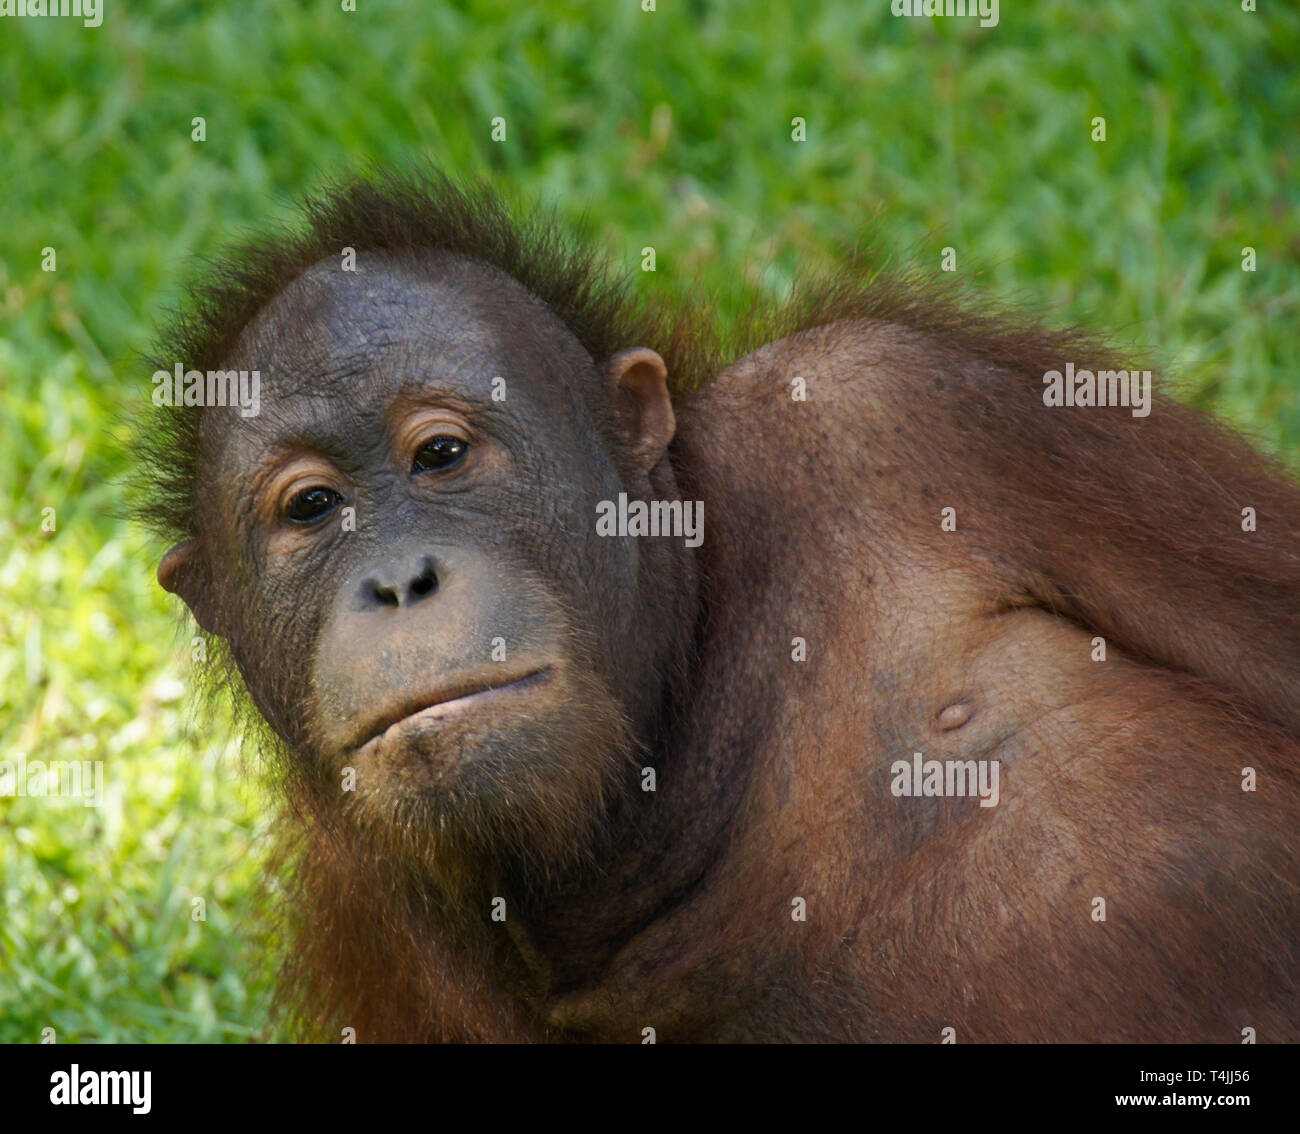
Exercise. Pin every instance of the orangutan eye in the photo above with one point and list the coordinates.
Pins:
(311, 504)
(439, 453)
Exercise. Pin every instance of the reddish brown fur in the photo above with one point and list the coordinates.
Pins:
(1121, 779)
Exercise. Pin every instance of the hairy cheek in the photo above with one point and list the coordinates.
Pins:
(602, 573)
(271, 633)
(597, 571)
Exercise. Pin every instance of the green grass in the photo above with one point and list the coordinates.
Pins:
(670, 129)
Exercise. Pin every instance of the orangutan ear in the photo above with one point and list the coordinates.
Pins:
(637, 381)
(184, 572)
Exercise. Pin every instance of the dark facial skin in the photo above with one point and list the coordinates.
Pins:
(408, 570)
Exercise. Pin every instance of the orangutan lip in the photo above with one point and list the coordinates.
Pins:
(453, 700)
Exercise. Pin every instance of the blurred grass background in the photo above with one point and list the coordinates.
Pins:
(669, 128)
